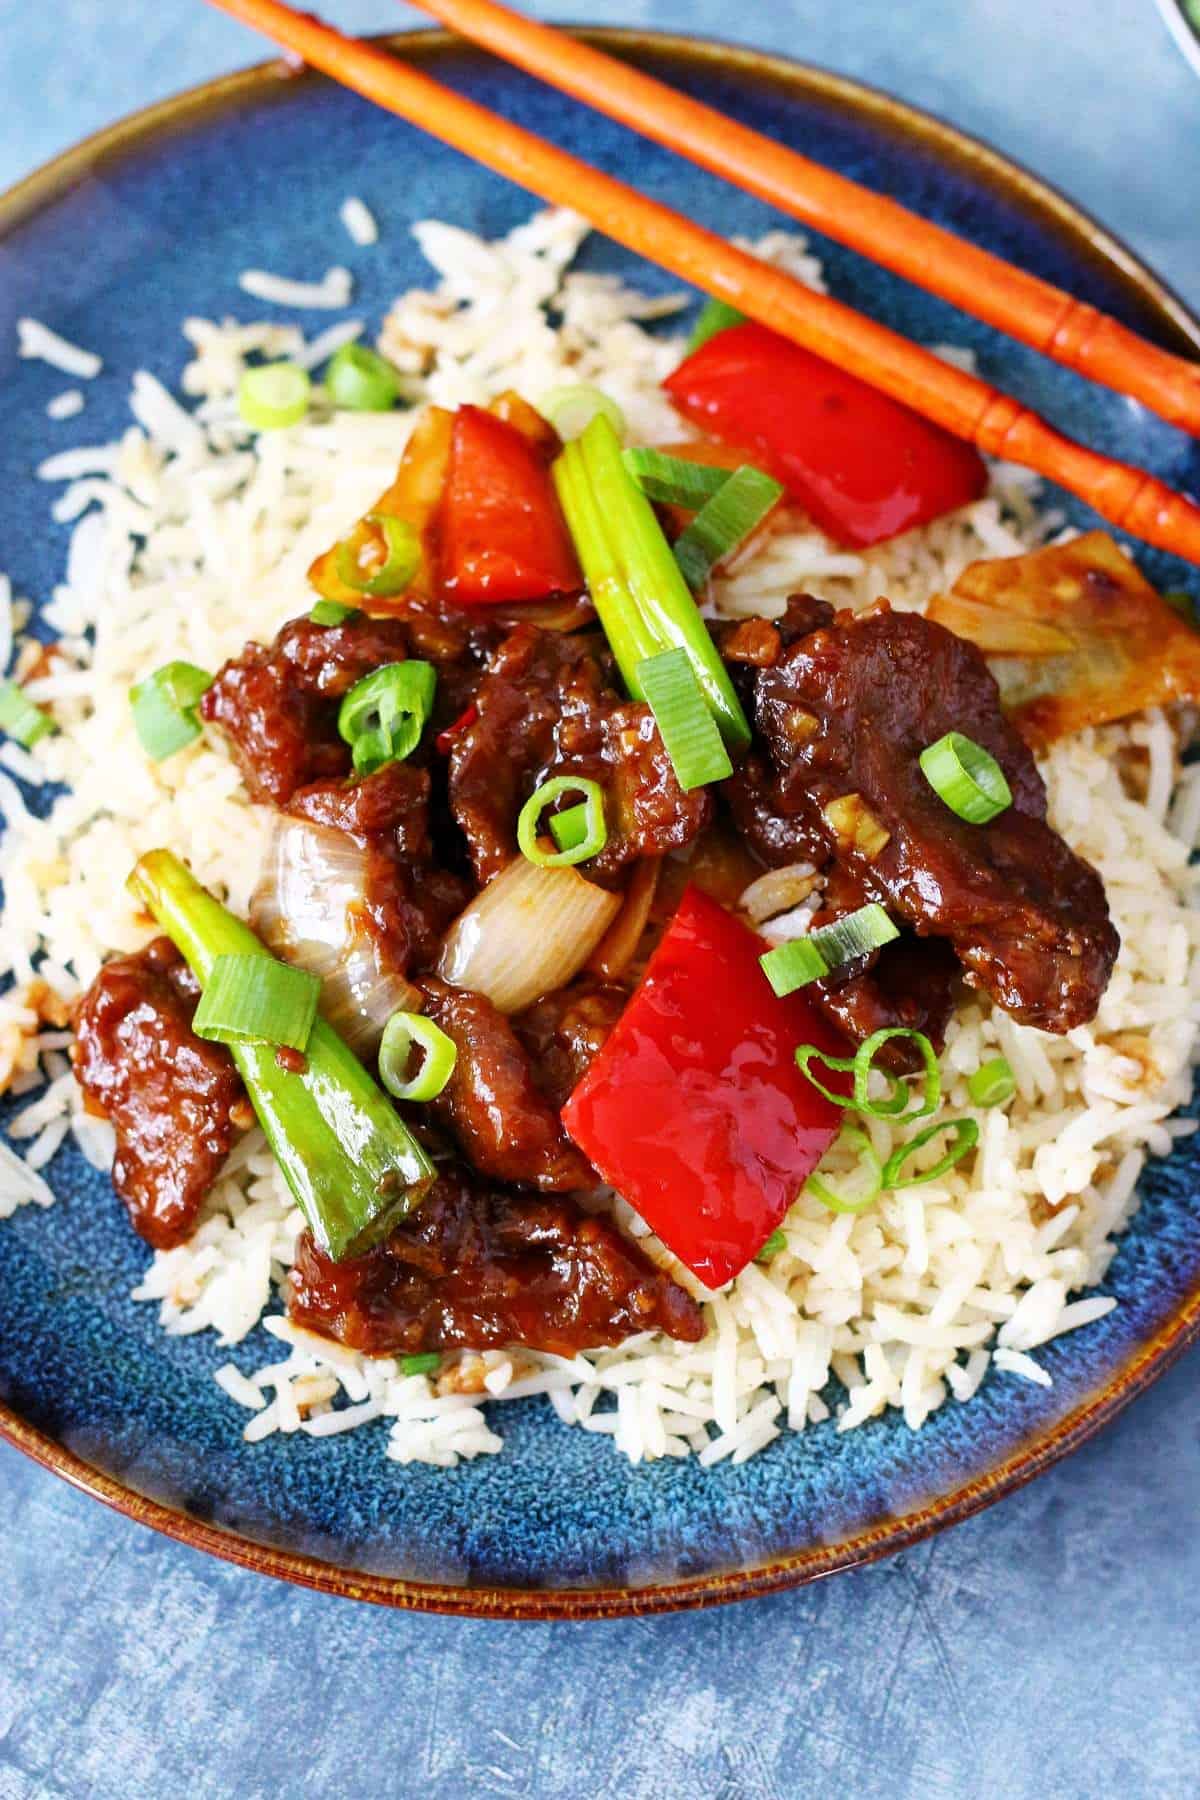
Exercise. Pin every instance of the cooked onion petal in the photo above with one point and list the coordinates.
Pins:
(309, 907)
(1079, 636)
(618, 947)
(527, 933)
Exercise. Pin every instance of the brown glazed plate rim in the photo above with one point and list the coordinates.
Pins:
(1053, 212)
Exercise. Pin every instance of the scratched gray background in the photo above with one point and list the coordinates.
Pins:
(1047, 1649)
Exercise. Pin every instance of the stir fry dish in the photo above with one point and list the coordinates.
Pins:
(501, 729)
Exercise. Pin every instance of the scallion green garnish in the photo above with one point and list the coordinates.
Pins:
(635, 583)
(861, 1066)
(595, 833)
(20, 718)
(569, 828)
(993, 1083)
(164, 708)
(423, 1363)
(404, 1032)
(738, 507)
(715, 315)
(672, 480)
(858, 1199)
(384, 714)
(771, 1248)
(966, 1136)
(687, 727)
(794, 964)
(273, 396)
(352, 1164)
(252, 999)
(966, 777)
(332, 612)
(571, 409)
(401, 562)
(358, 379)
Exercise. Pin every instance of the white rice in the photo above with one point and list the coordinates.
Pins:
(359, 220)
(334, 289)
(188, 540)
(36, 340)
(66, 405)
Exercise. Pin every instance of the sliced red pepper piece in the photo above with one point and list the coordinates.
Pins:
(863, 466)
(695, 1109)
(501, 534)
(445, 739)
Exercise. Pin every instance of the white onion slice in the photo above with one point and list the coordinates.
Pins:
(527, 933)
(309, 908)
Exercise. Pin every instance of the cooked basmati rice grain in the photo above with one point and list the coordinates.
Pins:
(65, 405)
(359, 220)
(335, 288)
(35, 340)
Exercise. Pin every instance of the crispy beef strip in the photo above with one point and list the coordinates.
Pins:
(170, 1096)
(846, 711)
(563, 1032)
(492, 1105)
(477, 1267)
(910, 983)
(278, 704)
(548, 706)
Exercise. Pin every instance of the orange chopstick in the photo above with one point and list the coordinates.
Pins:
(1024, 306)
(1128, 497)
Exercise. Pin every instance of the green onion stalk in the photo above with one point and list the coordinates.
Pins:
(350, 1161)
(641, 597)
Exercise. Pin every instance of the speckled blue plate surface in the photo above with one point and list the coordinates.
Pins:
(114, 244)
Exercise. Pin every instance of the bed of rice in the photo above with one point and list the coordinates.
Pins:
(191, 537)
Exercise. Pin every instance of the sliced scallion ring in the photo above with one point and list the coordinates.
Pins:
(794, 964)
(423, 1363)
(687, 727)
(966, 1135)
(24, 722)
(966, 777)
(358, 379)
(993, 1083)
(402, 558)
(273, 396)
(715, 315)
(672, 480)
(384, 714)
(737, 508)
(858, 1200)
(255, 1000)
(332, 612)
(595, 830)
(404, 1032)
(861, 1066)
(164, 708)
(571, 410)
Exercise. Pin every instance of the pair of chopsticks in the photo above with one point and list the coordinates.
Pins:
(1007, 297)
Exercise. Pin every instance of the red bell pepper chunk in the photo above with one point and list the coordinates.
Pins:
(863, 466)
(501, 534)
(695, 1109)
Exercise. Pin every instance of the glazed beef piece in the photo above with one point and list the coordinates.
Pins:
(565, 1030)
(481, 1268)
(547, 706)
(278, 704)
(506, 1126)
(410, 898)
(846, 712)
(170, 1096)
(777, 827)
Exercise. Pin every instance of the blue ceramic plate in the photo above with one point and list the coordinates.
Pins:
(114, 244)
(1183, 22)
